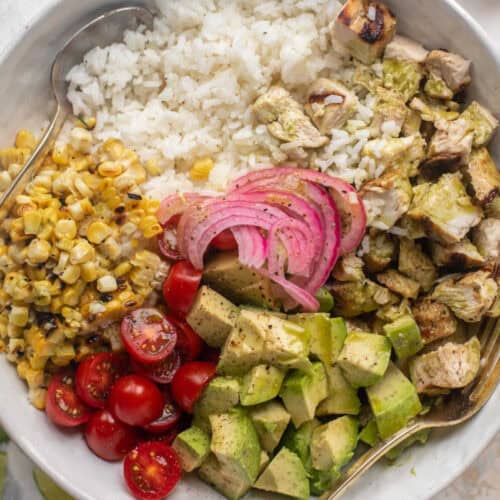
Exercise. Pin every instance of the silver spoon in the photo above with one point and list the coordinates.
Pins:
(103, 30)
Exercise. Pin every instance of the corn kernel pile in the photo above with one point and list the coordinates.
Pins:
(72, 253)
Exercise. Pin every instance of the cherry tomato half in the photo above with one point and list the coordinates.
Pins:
(96, 375)
(62, 405)
(136, 400)
(180, 287)
(189, 343)
(162, 372)
(151, 470)
(189, 381)
(224, 241)
(169, 418)
(148, 335)
(167, 241)
(109, 438)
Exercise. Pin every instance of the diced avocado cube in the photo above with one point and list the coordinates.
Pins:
(333, 443)
(369, 433)
(212, 316)
(192, 447)
(342, 397)
(317, 329)
(419, 437)
(322, 480)
(404, 335)
(285, 475)
(270, 421)
(223, 478)
(339, 334)
(302, 392)
(219, 396)
(364, 358)
(202, 422)
(325, 299)
(264, 461)
(260, 384)
(394, 401)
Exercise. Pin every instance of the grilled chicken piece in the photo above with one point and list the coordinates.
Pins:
(435, 320)
(285, 119)
(415, 264)
(453, 69)
(390, 107)
(364, 28)
(348, 268)
(469, 296)
(380, 252)
(403, 77)
(450, 366)
(399, 283)
(406, 49)
(459, 256)
(482, 122)
(445, 209)
(486, 237)
(482, 176)
(431, 110)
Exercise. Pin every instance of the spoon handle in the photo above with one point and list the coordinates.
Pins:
(34, 163)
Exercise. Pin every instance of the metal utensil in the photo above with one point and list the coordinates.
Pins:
(103, 30)
(456, 409)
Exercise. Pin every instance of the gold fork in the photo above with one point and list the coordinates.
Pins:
(459, 406)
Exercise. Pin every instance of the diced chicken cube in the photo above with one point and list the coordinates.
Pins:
(386, 199)
(433, 111)
(365, 80)
(482, 122)
(412, 124)
(348, 268)
(406, 49)
(492, 209)
(469, 296)
(286, 120)
(364, 28)
(415, 264)
(329, 104)
(453, 69)
(445, 209)
(459, 256)
(403, 77)
(390, 107)
(435, 320)
(436, 88)
(486, 236)
(399, 283)
(381, 249)
(482, 176)
(450, 366)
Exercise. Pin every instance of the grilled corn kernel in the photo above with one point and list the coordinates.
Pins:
(37, 397)
(35, 378)
(122, 269)
(152, 167)
(60, 154)
(38, 251)
(14, 169)
(150, 226)
(82, 252)
(25, 139)
(89, 271)
(5, 180)
(16, 346)
(82, 187)
(111, 249)
(32, 221)
(128, 229)
(81, 140)
(80, 209)
(110, 169)
(22, 369)
(70, 274)
(19, 316)
(41, 293)
(13, 155)
(112, 148)
(71, 295)
(64, 354)
(36, 362)
(107, 284)
(137, 172)
(98, 231)
(65, 228)
(65, 245)
(201, 169)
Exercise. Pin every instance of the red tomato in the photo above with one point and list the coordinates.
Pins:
(168, 436)
(136, 400)
(224, 241)
(162, 372)
(189, 381)
(151, 470)
(189, 343)
(109, 438)
(167, 241)
(148, 335)
(169, 418)
(62, 404)
(180, 287)
(96, 375)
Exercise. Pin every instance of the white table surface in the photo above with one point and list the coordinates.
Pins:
(481, 481)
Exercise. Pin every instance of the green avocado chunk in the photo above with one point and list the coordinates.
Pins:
(405, 337)
(192, 447)
(235, 443)
(219, 396)
(333, 443)
(260, 384)
(394, 401)
(325, 299)
(420, 437)
(48, 488)
(212, 316)
(302, 392)
(270, 420)
(285, 475)
(342, 397)
(364, 358)
(339, 334)
(369, 433)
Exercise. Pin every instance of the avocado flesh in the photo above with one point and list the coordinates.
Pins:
(405, 337)
(212, 316)
(369, 434)
(364, 358)
(338, 330)
(235, 443)
(192, 447)
(420, 437)
(302, 392)
(333, 443)
(270, 421)
(219, 396)
(394, 401)
(260, 384)
(317, 328)
(342, 397)
(325, 299)
(285, 475)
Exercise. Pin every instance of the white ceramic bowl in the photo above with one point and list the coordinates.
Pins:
(24, 101)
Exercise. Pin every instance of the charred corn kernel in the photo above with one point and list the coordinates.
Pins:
(201, 169)
(152, 167)
(25, 139)
(82, 188)
(35, 378)
(16, 346)
(122, 269)
(5, 180)
(42, 293)
(56, 337)
(110, 168)
(19, 316)
(150, 226)
(81, 140)
(71, 315)
(64, 354)
(32, 221)
(71, 295)
(65, 228)
(16, 285)
(14, 169)
(13, 155)
(111, 249)
(22, 369)
(98, 231)
(70, 274)
(3, 347)
(38, 251)
(37, 397)
(56, 305)
(60, 154)
(80, 209)
(106, 284)
(82, 252)
(36, 362)
(14, 332)
(89, 271)
(46, 232)
(16, 230)
(112, 148)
